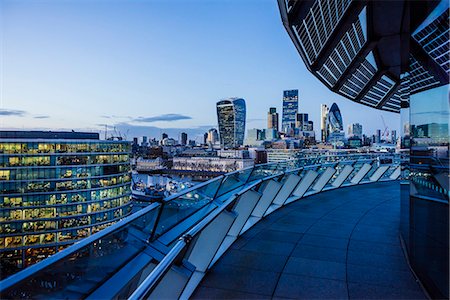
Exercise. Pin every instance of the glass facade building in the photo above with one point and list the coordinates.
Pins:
(425, 199)
(393, 56)
(334, 126)
(231, 114)
(272, 119)
(290, 109)
(55, 191)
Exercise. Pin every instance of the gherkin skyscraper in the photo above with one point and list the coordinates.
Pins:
(334, 119)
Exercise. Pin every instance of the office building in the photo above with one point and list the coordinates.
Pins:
(378, 136)
(355, 129)
(354, 141)
(272, 119)
(394, 136)
(255, 137)
(184, 138)
(301, 122)
(213, 137)
(57, 188)
(211, 164)
(290, 109)
(323, 122)
(231, 114)
(334, 126)
(271, 134)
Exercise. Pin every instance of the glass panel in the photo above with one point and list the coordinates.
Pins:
(261, 171)
(230, 183)
(176, 210)
(78, 274)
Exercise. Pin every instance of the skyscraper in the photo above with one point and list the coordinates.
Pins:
(231, 118)
(290, 109)
(378, 136)
(301, 122)
(394, 136)
(272, 119)
(323, 122)
(334, 127)
(355, 129)
(184, 138)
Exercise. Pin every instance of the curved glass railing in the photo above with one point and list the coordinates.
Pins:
(130, 258)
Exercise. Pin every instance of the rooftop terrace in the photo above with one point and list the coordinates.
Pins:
(341, 244)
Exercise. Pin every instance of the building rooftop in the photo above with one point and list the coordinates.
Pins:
(338, 244)
(63, 135)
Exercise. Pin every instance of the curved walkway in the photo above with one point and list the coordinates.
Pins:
(340, 244)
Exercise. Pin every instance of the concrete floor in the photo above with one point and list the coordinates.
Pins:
(340, 244)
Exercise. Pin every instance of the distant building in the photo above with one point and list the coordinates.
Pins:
(272, 119)
(355, 129)
(258, 155)
(184, 138)
(288, 144)
(354, 141)
(164, 136)
(149, 164)
(334, 119)
(255, 137)
(301, 121)
(168, 142)
(229, 153)
(213, 137)
(144, 141)
(277, 155)
(271, 134)
(231, 115)
(394, 136)
(211, 164)
(378, 136)
(334, 127)
(290, 109)
(134, 146)
(323, 122)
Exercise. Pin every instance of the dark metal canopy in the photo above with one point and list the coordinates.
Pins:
(371, 52)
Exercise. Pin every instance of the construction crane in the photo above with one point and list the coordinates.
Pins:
(385, 133)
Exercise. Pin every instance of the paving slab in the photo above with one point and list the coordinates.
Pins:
(338, 244)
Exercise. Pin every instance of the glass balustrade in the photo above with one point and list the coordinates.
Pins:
(92, 261)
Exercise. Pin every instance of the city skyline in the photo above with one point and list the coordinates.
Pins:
(91, 65)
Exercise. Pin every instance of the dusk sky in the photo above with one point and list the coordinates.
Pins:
(149, 67)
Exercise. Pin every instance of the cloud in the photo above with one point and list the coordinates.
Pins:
(12, 112)
(165, 117)
(114, 117)
(42, 117)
